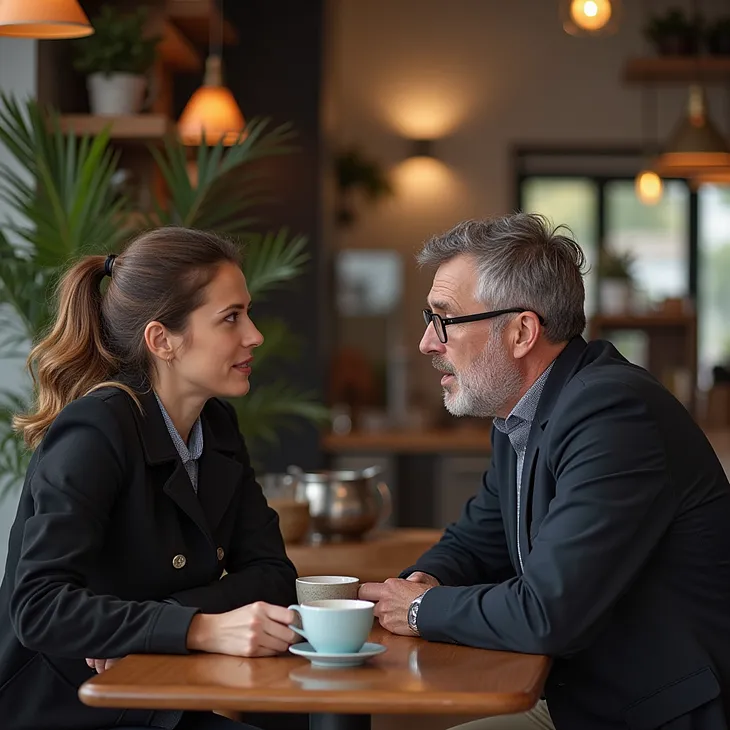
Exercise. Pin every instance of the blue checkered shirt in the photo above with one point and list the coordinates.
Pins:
(190, 452)
(517, 426)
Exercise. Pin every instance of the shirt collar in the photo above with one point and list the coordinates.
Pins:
(194, 448)
(526, 407)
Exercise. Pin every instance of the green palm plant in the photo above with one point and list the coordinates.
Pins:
(60, 190)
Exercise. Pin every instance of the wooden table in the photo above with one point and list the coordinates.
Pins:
(379, 556)
(413, 677)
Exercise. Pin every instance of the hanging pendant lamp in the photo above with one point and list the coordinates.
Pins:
(696, 144)
(43, 19)
(647, 184)
(212, 113)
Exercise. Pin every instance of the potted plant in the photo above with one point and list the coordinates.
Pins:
(117, 59)
(616, 282)
(717, 37)
(355, 173)
(673, 33)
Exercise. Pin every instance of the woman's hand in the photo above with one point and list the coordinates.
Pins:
(259, 629)
(101, 665)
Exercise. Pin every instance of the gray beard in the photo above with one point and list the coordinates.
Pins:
(485, 387)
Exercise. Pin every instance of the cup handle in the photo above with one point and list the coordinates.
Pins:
(296, 629)
(386, 502)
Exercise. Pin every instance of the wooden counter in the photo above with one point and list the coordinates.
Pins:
(435, 441)
(379, 556)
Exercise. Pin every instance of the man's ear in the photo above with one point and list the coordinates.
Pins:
(158, 340)
(526, 333)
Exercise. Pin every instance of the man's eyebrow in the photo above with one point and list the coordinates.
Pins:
(442, 305)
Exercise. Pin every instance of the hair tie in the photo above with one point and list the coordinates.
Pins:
(109, 264)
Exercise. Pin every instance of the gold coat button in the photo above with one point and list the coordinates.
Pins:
(221, 553)
(179, 561)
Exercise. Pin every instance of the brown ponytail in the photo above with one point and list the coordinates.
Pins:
(96, 337)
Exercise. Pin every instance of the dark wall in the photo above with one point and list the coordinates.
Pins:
(276, 71)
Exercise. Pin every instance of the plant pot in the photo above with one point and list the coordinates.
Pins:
(676, 44)
(116, 94)
(616, 296)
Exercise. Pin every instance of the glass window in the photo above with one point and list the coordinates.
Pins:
(714, 274)
(654, 235)
(572, 201)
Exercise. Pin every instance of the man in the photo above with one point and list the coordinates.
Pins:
(601, 533)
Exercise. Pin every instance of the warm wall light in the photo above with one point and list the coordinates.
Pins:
(421, 148)
(649, 187)
(590, 17)
(211, 111)
(43, 19)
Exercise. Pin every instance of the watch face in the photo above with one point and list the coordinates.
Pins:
(412, 614)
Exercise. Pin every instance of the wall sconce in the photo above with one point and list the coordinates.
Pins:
(421, 148)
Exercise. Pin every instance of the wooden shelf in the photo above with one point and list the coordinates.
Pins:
(472, 440)
(644, 321)
(139, 127)
(176, 51)
(678, 70)
(194, 18)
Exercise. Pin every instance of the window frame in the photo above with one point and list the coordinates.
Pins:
(567, 164)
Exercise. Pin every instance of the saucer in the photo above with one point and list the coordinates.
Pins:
(322, 659)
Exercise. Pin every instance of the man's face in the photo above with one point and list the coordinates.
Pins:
(480, 377)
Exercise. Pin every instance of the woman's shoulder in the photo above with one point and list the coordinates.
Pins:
(108, 409)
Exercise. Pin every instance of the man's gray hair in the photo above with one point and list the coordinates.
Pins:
(522, 261)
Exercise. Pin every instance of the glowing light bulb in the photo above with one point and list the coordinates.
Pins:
(591, 15)
(649, 187)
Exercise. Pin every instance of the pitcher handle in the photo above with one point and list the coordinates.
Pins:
(294, 628)
(386, 502)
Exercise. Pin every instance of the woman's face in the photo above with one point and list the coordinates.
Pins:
(214, 356)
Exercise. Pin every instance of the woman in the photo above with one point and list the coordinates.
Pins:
(140, 492)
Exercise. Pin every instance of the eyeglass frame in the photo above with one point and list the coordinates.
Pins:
(429, 316)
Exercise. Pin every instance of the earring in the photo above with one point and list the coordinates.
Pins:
(169, 362)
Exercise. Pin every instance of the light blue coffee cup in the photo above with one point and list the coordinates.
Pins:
(335, 626)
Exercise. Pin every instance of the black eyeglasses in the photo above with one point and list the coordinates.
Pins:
(440, 323)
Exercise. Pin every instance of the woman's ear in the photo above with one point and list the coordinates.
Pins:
(158, 340)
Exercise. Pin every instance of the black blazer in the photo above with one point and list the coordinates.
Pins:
(112, 553)
(625, 534)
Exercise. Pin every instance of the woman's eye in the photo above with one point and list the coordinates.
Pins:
(232, 317)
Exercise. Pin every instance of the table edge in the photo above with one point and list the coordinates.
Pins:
(387, 703)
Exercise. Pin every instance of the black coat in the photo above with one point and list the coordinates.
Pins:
(625, 533)
(113, 553)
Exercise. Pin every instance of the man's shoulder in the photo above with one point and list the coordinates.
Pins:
(607, 373)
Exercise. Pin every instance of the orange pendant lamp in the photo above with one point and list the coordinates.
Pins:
(212, 114)
(43, 19)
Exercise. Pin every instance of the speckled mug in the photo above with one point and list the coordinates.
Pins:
(326, 587)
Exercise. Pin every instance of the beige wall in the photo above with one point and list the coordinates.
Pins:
(483, 75)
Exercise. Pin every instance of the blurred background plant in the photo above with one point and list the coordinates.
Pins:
(61, 188)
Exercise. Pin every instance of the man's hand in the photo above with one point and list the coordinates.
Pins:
(392, 600)
(101, 665)
(424, 578)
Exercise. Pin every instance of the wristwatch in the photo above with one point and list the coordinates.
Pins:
(413, 612)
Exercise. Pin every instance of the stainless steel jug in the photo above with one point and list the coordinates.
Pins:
(344, 504)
